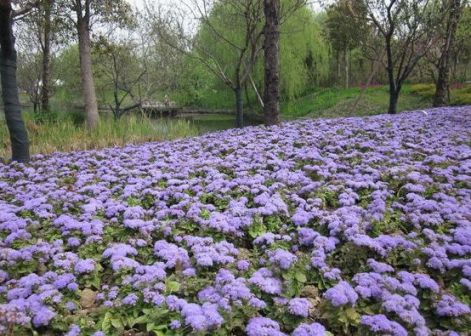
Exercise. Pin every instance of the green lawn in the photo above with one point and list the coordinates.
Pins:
(337, 102)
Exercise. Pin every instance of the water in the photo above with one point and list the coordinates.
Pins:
(213, 122)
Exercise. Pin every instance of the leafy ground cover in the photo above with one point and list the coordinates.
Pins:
(353, 226)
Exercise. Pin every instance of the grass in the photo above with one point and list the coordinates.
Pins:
(337, 102)
(64, 136)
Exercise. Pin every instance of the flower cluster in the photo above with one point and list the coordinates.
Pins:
(315, 227)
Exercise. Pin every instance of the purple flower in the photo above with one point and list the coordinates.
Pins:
(130, 300)
(243, 265)
(74, 330)
(171, 254)
(381, 325)
(313, 329)
(263, 278)
(379, 267)
(43, 316)
(175, 324)
(202, 317)
(299, 307)
(282, 258)
(85, 266)
(70, 306)
(262, 326)
(450, 306)
(341, 294)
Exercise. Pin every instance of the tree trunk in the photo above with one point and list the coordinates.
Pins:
(45, 92)
(347, 69)
(86, 72)
(15, 123)
(271, 99)
(339, 70)
(393, 88)
(239, 107)
(393, 98)
(441, 97)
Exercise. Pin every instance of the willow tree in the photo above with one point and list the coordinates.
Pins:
(228, 39)
(303, 50)
(304, 53)
(8, 59)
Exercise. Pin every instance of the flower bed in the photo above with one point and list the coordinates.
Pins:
(356, 226)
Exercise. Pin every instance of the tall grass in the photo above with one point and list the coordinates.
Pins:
(63, 135)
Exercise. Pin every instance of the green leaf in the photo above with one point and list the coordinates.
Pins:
(116, 322)
(140, 320)
(106, 324)
(352, 315)
(150, 326)
(173, 286)
(300, 276)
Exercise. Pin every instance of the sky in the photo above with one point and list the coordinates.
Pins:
(139, 3)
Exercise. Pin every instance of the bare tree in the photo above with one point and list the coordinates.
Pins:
(172, 26)
(83, 14)
(47, 32)
(123, 72)
(29, 75)
(407, 28)
(454, 8)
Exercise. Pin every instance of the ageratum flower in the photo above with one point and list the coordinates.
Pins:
(130, 300)
(228, 214)
(381, 325)
(171, 254)
(85, 266)
(282, 258)
(263, 279)
(313, 329)
(74, 330)
(450, 306)
(341, 294)
(299, 307)
(263, 326)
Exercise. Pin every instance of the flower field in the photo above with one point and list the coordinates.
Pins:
(354, 226)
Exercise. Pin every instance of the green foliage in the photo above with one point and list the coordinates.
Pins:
(345, 25)
(390, 224)
(304, 55)
(344, 318)
(425, 90)
(337, 102)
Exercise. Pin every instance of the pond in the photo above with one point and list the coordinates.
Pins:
(212, 122)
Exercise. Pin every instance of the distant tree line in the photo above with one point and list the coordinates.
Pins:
(102, 53)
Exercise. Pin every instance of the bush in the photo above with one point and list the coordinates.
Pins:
(425, 90)
(76, 116)
(461, 98)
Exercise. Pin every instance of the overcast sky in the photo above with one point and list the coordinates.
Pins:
(139, 3)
